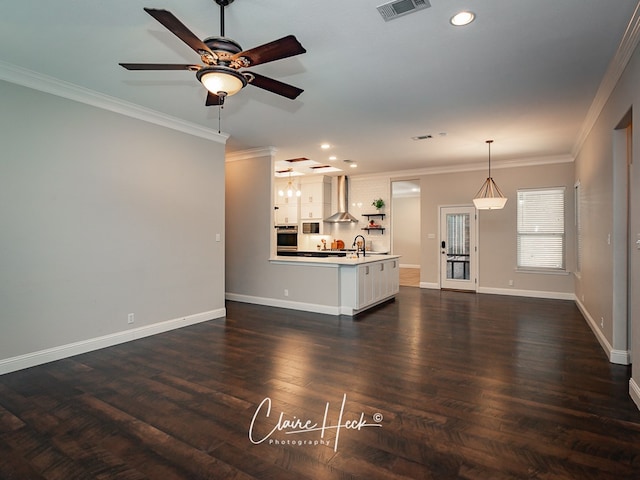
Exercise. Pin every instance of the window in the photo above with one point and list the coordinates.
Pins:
(541, 229)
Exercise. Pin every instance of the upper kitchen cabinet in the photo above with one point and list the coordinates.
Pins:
(287, 207)
(315, 200)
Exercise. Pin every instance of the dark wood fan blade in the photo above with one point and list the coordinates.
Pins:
(285, 47)
(213, 100)
(274, 86)
(174, 25)
(159, 66)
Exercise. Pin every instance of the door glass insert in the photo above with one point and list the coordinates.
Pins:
(458, 246)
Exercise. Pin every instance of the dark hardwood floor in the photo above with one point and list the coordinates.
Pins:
(436, 385)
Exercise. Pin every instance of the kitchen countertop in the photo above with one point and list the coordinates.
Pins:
(333, 260)
(319, 253)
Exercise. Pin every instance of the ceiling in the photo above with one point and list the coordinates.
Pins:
(523, 73)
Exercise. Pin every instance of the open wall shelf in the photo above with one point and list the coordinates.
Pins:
(375, 229)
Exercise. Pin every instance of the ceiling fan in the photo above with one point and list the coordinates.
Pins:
(223, 58)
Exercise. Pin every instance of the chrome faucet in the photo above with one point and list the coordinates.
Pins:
(355, 242)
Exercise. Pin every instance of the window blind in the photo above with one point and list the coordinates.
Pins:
(541, 229)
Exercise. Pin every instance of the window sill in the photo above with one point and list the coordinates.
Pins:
(542, 272)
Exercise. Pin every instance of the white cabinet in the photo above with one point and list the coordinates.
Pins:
(312, 211)
(368, 284)
(315, 201)
(287, 208)
(287, 213)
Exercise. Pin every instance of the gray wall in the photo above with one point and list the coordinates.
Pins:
(405, 229)
(595, 172)
(250, 276)
(496, 228)
(102, 215)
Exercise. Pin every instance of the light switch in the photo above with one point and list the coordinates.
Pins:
(217, 237)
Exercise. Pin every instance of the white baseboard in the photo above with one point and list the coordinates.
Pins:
(527, 293)
(20, 362)
(275, 302)
(511, 291)
(620, 357)
(634, 391)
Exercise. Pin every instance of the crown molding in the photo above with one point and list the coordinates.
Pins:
(469, 167)
(30, 79)
(251, 153)
(611, 77)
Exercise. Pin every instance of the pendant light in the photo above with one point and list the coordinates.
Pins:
(291, 190)
(489, 197)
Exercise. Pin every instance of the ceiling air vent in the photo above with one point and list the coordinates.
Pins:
(396, 9)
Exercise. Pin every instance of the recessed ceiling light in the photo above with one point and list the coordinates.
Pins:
(333, 157)
(463, 18)
(325, 146)
(354, 165)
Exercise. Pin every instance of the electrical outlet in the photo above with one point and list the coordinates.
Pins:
(286, 292)
(511, 283)
(131, 318)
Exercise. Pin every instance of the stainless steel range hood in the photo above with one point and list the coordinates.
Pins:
(342, 215)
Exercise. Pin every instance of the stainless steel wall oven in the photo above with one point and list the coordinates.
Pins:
(287, 238)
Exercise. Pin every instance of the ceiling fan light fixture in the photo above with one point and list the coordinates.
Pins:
(221, 79)
(489, 197)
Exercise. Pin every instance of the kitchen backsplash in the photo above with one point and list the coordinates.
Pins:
(362, 192)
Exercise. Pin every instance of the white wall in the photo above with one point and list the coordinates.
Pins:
(362, 192)
(102, 215)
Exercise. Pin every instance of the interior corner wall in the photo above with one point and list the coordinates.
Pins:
(103, 215)
(594, 171)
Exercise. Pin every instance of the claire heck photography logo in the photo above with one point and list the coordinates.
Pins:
(286, 429)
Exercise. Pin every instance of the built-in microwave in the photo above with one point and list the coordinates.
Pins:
(310, 227)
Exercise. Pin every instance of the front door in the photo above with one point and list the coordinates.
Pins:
(458, 248)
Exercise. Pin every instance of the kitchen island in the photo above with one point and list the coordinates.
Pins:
(362, 282)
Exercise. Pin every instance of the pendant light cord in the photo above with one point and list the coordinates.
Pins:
(489, 142)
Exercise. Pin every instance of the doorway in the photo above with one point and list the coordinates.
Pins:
(405, 229)
(622, 242)
(458, 248)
